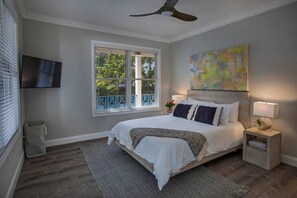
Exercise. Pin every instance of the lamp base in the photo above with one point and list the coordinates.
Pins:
(265, 123)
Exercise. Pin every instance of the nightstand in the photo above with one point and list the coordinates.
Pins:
(262, 148)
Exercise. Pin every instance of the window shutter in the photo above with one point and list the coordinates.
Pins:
(9, 83)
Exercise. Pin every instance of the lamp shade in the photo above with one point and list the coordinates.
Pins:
(178, 98)
(266, 109)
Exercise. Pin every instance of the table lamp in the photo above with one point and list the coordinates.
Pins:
(267, 110)
(178, 98)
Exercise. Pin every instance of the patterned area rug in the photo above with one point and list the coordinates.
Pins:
(119, 175)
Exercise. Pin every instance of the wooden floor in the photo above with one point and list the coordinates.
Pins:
(63, 172)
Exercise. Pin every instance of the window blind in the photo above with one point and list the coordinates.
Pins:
(9, 85)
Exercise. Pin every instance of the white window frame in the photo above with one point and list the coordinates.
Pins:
(129, 48)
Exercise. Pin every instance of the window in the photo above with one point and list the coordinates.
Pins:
(9, 84)
(125, 78)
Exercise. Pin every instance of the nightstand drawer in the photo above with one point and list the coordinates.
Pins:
(256, 156)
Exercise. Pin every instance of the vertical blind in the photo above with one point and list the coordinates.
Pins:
(9, 84)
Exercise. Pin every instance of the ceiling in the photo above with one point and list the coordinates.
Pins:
(112, 16)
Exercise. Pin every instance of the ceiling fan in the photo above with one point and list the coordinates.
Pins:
(168, 10)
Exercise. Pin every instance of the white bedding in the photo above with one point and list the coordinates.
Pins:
(169, 155)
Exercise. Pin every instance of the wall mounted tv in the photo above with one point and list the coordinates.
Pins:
(40, 73)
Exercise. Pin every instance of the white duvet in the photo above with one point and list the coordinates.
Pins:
(169, 155)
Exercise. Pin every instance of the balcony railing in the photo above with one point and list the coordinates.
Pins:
(119, 101)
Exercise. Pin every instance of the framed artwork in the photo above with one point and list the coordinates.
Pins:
(224, 69)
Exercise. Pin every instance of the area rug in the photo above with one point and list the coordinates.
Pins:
(119, 175)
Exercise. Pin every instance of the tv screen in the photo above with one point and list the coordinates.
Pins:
(40, 73)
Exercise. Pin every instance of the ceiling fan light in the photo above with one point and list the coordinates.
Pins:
(167, 13)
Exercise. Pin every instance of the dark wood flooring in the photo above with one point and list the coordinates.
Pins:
(63, 172)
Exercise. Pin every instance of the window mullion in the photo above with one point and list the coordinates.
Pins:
(128, 80)
(157, 85)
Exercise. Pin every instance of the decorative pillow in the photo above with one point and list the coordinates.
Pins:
(224, 118)
(234, 110)
(208, 115)
(191, 112)
(184, 111)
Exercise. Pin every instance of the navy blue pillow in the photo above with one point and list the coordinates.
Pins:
(182, 110)
(207, 115)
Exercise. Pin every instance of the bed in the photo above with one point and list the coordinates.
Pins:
(166, 157)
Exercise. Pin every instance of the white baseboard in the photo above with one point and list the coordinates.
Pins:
(77, 138)
(289, 160)
(15, 177)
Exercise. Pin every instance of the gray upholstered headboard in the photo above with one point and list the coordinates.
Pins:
(224, 97)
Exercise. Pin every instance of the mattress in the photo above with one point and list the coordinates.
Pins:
(169, 155)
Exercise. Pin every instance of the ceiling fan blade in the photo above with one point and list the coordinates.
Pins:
(140, 15)
(171, 3)
(183, 16)
(148, 14)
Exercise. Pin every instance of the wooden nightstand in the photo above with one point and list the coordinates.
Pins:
(268, 157)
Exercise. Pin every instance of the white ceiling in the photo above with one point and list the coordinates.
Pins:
(112, 16)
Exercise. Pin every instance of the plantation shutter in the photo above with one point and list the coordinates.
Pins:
(9, 84)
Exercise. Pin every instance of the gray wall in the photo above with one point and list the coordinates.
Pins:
(271, 37)
(67, 110)
(9, 166)
(272, 40)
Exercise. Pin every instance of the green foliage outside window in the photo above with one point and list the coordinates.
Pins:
(111, 74)
(110, 66)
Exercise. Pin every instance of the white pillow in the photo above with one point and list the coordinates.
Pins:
(183, 102)
(234, 110)
(199, 102)
(229, 113)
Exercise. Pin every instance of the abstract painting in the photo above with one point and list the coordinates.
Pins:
(225, 69)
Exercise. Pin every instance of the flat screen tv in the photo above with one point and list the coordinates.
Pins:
(40, 73)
